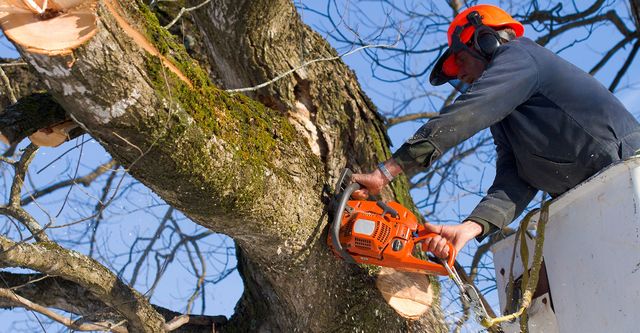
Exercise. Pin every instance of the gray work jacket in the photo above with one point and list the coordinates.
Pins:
(553, 126)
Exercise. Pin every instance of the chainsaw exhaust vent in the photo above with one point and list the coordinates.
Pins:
(363, 243)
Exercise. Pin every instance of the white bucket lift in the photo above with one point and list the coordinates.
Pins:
(592, 257)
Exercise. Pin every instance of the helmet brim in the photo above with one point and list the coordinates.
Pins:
(444, 70)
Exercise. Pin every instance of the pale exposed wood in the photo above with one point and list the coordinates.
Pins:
(141, 40)
(54, 30)
(410, 294)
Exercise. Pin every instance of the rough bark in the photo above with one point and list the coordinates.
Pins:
(233, 165)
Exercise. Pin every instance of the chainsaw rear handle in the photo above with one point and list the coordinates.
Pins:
(452, 250)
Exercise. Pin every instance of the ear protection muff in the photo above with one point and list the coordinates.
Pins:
(485, 40)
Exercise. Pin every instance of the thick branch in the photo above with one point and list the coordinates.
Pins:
(58, 293)
(97, 279)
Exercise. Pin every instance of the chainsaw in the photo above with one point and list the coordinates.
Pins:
(379, 233)
(388, 234)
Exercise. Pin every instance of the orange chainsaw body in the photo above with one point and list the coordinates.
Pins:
(371, 233)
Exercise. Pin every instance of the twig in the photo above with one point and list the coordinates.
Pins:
(62, 155)
(411, 117)
(84, 180)
(7, 84)
(75, 175)
(264, 84)
(13, 64)
(182, 11)
(176, 323)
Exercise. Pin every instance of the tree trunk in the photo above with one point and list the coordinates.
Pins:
(233, 165)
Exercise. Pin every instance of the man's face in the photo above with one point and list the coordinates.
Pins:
(469, 67)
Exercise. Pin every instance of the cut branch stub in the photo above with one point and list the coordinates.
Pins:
(53, 27)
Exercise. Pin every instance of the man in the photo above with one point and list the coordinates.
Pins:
(553, 124)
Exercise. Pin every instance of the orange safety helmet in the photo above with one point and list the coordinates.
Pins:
(465, 29)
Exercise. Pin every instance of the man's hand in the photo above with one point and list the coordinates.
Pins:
(374, 181)
(458, 235)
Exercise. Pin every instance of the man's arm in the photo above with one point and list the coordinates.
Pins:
(505, 200)
(509, 195)
(509, 80)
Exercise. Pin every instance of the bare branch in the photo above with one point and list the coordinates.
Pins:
(58, 293)
(14, 209)
(610, 54)
(85, 180)
(20, 171)
(285, 74)
(410, 117)
(7, 86)
(13, 64)
(625, 66)
(184, 10)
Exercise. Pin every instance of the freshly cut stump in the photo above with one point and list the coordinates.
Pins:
(409, 294)
(48, 27)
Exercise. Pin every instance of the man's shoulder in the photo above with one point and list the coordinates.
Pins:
(522, 44)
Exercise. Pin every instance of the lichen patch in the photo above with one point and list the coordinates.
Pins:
(104, 115)
(57, 71)
(69, 89)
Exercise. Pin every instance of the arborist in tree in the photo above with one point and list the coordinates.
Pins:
(553, 124)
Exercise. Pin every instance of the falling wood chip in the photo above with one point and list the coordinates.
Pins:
(4, 139)
(53, 136)
(53, 27)
(409, 294)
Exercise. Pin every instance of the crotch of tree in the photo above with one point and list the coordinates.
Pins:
(51, 27)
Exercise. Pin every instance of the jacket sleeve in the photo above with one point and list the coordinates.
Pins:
(507, 197)
(510, 79)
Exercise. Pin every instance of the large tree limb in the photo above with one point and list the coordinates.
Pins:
(58, 293)
(51, 259)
